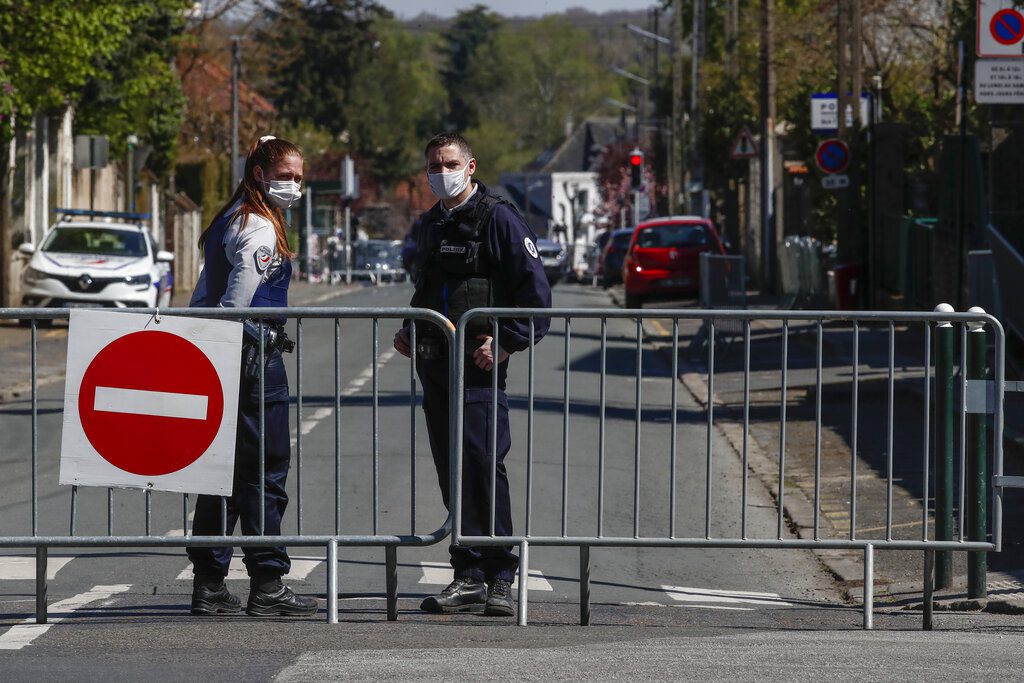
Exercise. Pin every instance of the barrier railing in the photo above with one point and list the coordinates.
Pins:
(71, 499)
(780, 327)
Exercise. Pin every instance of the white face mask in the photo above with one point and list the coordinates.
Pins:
(449, 185)
(283, 193)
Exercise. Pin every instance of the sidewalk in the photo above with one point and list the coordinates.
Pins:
(51, 343)
(898, 574)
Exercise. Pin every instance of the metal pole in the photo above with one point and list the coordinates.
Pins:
(391, 570)
(944, 446)
(584, 585)
(348, 243)
(307, 231)
(767, 145)
(929, 584)
(524, 580)
(636, 207)
(129, 181)
(236, 47)
(869, 587)
(41, 557)
(977, 464)
(332, 581)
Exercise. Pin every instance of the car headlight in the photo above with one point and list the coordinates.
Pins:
(32, 276)
(138, 280)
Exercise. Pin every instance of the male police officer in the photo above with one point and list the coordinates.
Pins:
(474, 250)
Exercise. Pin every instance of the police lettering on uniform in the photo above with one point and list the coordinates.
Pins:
(248, 263)
(473, 250)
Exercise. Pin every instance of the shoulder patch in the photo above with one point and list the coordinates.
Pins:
(263, 258)
(530, 246)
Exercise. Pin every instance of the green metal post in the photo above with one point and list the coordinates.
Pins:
(945, 337)
(977, 465)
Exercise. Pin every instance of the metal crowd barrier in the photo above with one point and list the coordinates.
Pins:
(631, 320)
(371, 537)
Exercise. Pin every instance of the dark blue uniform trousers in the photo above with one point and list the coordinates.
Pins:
(244, 503)
(482, 563)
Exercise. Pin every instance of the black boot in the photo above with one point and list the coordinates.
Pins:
(269, 597)
(211, 596)
(499, 599)
(460, 594)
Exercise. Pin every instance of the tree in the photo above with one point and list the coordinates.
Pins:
(472, 29)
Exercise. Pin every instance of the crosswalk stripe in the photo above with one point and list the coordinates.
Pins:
(23, 567)
(710, 595)
(20, 635)
(440, 574)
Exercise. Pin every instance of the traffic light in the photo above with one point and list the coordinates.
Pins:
(636, 168)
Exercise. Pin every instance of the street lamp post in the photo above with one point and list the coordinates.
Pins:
(132, 141)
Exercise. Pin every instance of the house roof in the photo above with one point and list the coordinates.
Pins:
(210, 82)
(581, 151)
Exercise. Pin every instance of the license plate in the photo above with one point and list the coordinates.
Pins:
(675, 282)
(81, 304)
(549, 261)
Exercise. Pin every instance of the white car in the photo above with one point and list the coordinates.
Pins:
(86, 261)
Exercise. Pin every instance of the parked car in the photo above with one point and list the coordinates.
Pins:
(664, 257)
(84, 261)
(553, 255)
(613, 256)
(379, 258)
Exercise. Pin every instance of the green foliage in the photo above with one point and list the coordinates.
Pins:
(314, 50)
(472, 29)
(135, 90)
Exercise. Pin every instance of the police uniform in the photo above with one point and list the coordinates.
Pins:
(243, 269)
(479, 254)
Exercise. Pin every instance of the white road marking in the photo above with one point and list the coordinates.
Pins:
(440, 574)
(661, 604)
(302, 567)
(710, 595)
(20, 635)
(23, 567)
(321, 414)
(158, 403)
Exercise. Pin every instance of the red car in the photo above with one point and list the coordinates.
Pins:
(664, 257)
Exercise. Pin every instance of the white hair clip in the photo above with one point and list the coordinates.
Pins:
(267, 137)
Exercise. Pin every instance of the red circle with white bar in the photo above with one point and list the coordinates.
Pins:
(151, 403)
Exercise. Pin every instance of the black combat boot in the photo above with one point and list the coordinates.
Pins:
(269, 597)
(210, 595)
(499, 599)
(461, 594)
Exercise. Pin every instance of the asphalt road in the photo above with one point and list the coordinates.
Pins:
(658, 613)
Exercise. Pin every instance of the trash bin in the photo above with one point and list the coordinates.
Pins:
(847, 281)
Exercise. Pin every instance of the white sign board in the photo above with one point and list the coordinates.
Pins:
(1000, 29)
(151, 405)
(999, 81)
(825, 112)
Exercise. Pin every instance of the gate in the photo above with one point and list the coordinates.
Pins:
(939, 391)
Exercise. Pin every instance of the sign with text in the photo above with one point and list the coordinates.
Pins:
(1000, 29)
(999, 81)
(151, 403)
(825, 112)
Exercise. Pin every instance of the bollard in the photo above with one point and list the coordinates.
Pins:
(945, 336)
(977, 463)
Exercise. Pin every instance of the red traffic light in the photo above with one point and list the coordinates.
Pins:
(636, 159)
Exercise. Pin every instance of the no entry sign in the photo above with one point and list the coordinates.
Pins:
(1000, 29)
(833, 156)
(150, 405)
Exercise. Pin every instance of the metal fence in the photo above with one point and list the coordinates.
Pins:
(369, 533)
(734, 529)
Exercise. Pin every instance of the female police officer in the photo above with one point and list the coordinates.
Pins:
(247, 263)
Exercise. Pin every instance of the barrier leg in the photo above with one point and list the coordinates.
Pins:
(41, 557)
(524, 579)
(929, 573)
(391, 569)
(584, 585)
(869, 587)
(332, 581)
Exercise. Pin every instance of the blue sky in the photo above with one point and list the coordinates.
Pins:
(447, 8)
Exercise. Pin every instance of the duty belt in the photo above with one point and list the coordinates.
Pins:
(433, 348)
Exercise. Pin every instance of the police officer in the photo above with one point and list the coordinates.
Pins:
(473, 250)
(248, 263)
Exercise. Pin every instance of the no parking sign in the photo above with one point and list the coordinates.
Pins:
(149, 404)
(1000, 29)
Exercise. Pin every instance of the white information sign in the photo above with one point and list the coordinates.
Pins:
(999, 81)
(151, 403)
(836, 181)
(1000, 29)
(825, 112)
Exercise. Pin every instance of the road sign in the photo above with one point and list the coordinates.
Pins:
(1000, 29)
(835, 181)
(999, 81)
(743, 147)
(833, 156)
(825, 112)
(150, 405)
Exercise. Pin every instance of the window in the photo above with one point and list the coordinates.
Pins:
(673, 235)
(98, 241)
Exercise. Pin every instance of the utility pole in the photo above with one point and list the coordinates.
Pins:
(696, 161)
(848, 90)
(732, 32)
(129, 187)
(767, 145)
(676, 174)
(235, 66)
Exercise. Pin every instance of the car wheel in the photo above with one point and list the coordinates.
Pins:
(634, 301)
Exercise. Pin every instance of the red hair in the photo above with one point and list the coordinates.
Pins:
(263, 153)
